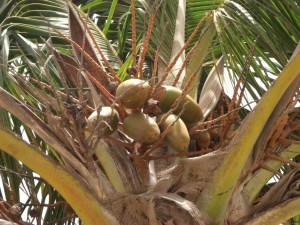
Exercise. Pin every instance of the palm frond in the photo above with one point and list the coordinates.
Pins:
(246, 31)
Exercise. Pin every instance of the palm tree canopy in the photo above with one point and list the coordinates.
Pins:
(57, 57)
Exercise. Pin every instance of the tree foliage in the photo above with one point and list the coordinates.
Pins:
(60, 61)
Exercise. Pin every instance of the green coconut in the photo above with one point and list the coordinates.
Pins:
(141, 128)
(133, 93)
(104, 122)
(178, 136)
(191, 111)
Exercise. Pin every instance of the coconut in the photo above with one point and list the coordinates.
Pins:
(133, 93)
(189, 109)
(203, 139)
(178, 136)
(104, 122)
(141, 127)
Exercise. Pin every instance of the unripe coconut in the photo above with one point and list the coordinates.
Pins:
(178, 136)
(141, 128)
(214, 133)
(35, 212)
(195, 134)
(106, 121)
(133, 93)
(203, 139)
(167, 95)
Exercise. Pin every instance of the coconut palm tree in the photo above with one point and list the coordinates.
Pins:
(149, 112)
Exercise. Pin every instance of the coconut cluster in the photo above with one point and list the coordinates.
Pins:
(134, 94)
